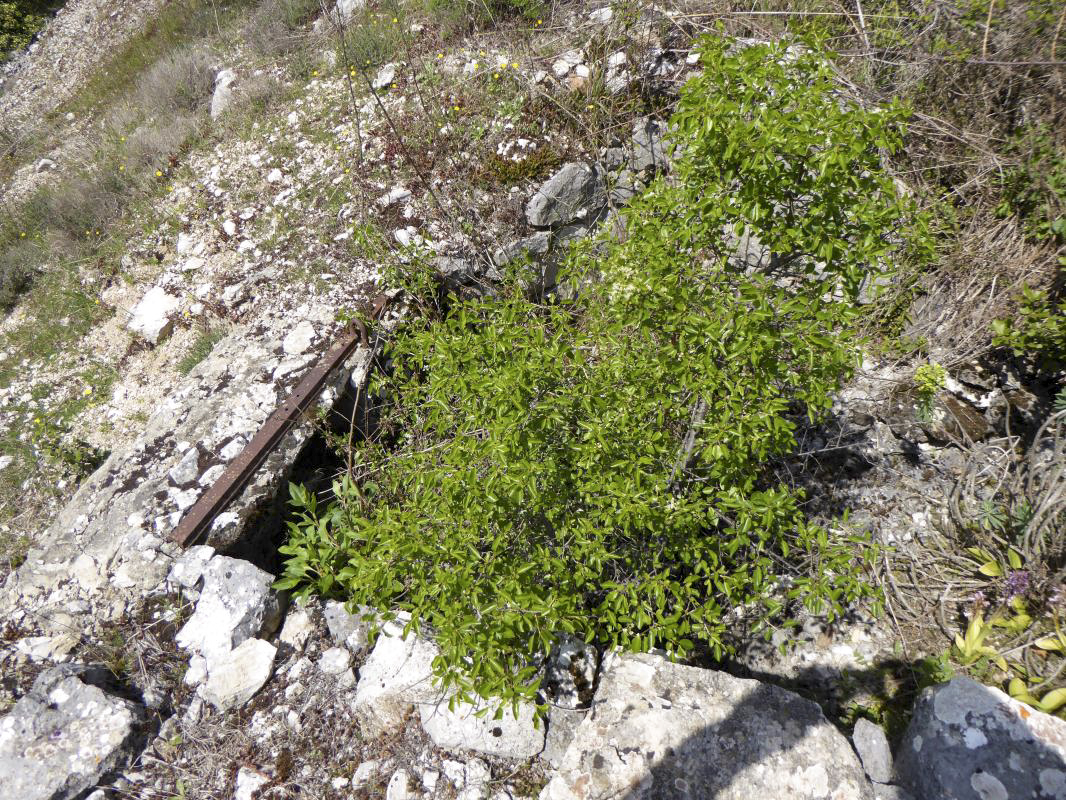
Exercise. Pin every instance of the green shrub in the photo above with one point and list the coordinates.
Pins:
(1035, 189)
(1038, 332)
(19, 21)
(601, 466)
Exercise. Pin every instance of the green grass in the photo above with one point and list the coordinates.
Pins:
(201, 348)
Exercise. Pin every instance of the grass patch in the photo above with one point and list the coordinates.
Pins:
(201, 348)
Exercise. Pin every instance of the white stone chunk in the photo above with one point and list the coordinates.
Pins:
(151, 317)
(236, 677)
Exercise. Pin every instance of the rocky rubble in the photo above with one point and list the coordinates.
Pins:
(267, 683)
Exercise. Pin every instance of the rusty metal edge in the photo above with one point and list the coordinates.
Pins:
(236, 476)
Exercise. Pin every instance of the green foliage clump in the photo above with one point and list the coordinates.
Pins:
(1035, 189)
(600, 466)
(19, 21)
(928, 380)
(1039, 330)
(500, 170)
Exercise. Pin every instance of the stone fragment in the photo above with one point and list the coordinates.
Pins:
(966, 740)
(529, 248)
(397, 675)
(150, 318)
(566, 62)
(297, 628)
(665, 730)
(872, 746)
(64, 735)
(299, 339)
(187, 470)
(248, 782)
(224, 92)
(386, 75)
(365, 772)
(86, 572)
(236, 603)
(395, 195)
(347, 8)
(576, 191)
(398, 788)
(461, 729)
(189, 567)
(334, 661)
(350, 630)
(274, 176)
(235, 677)
(649, 152)
(186, 244)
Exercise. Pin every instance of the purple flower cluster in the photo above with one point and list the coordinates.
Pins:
(1017, 583)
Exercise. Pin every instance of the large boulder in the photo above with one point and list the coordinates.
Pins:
(661, 730)
(577, 191)
(64, 735)
(972, 742)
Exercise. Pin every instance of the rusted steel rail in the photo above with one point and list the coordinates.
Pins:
(230, 484)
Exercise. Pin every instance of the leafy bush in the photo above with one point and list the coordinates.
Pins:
(599, 466)
(1035, 189)
(19, 21)
(1039, 331)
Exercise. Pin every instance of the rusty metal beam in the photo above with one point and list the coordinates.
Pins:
(232, 482)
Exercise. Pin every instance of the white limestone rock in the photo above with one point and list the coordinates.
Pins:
(299, 339)
(334, 661)
(461, 729)
(969, 740)
(235, 677)
(397, 675)
(151, 317)
(665, 730)
(576, 192)
(224, 92)
(64, 735)
(236, 604)
(189, 567)
(350, 630)
(297, 628)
